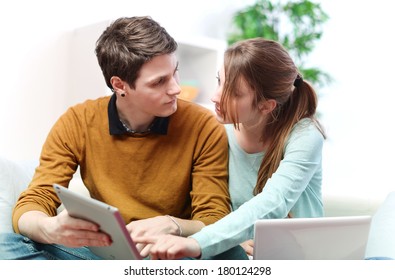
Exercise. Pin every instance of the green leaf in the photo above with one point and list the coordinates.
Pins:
(303, 20)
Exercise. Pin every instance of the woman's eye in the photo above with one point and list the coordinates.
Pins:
(218, 80)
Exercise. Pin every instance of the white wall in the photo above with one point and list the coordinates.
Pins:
(34, 55)
(356, 50)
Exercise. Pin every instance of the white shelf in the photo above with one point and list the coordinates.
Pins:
(200, 59)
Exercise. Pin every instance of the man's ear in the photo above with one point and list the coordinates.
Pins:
(267, 106)
(117, 84)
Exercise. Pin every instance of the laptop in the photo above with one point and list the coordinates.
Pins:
(325, 238)
(109, 219)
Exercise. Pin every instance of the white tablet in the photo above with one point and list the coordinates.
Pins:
(107, 217)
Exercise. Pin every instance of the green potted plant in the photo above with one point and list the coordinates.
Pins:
(297, 25)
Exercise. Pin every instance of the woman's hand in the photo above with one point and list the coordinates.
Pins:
(169, 247)
(248, 247)
(150, 227)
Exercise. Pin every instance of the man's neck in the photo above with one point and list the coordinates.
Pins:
(133, 119)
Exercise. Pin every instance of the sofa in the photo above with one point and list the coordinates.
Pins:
(16, 175)
(381, 242)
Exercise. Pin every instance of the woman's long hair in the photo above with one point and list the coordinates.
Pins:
(270, 72)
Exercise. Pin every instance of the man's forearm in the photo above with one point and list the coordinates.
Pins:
(29, 225)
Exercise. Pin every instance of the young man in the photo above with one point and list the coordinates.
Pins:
(160, 160)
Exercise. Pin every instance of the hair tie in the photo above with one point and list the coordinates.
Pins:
(298, 81)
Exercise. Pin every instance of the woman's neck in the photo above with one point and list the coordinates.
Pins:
(251, 139)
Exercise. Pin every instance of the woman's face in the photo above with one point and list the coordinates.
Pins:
(240, 103)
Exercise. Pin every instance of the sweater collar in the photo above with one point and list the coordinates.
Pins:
(159, 125)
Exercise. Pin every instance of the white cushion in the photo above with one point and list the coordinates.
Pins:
(14, 178)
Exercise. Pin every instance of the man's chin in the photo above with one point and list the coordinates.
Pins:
(168, 112)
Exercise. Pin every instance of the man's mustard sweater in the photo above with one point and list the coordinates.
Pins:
(182, 173)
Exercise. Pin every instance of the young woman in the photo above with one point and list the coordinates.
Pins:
(275, 150)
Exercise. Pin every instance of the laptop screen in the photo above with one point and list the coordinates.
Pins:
(326, 238)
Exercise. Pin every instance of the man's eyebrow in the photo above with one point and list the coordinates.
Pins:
(163, 76)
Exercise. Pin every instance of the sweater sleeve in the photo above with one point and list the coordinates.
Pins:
(302, 158)
(210, 193)
(57, 165)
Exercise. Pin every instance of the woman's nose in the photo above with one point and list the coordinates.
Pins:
(216, 97)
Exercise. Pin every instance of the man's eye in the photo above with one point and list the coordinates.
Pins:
(158, 82)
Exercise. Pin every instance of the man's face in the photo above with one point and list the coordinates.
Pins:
(156, 87)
